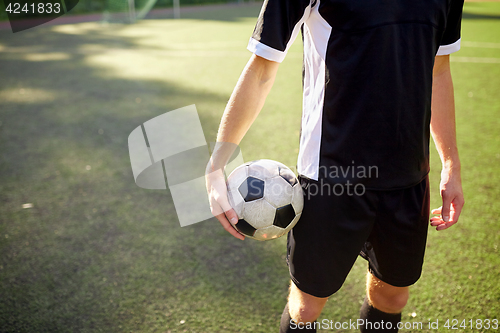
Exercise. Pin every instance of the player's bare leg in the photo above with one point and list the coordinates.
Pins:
(385, 297)
(383, 304)
(302, 309)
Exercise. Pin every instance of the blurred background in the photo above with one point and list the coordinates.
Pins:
(127, 10)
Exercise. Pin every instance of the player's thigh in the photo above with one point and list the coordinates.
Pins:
(326, 241)
(396, 246)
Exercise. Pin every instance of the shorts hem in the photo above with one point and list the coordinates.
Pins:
(393, 282)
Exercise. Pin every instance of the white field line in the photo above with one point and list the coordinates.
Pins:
(475, 59)
(481, 44)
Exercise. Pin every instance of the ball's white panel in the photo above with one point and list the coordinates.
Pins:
(263, 169)
(237, 177)
(293, 223)
(269, 233)
(298, 198)
(236, 201)
(278, 192)
(259, 213)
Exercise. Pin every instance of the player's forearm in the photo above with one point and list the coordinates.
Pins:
(247, 99)
(443, 114)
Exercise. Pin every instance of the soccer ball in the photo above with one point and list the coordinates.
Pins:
(267, 198)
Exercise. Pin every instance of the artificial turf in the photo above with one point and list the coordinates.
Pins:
(96, 253)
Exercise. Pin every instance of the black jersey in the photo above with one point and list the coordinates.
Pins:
(367, 82)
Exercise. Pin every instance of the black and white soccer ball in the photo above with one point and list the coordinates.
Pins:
(267, 198)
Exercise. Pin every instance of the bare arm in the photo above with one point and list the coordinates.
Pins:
(444, 135)
(243, 107)
(247, 99)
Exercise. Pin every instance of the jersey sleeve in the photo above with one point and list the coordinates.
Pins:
(277, 27)
(450, 41)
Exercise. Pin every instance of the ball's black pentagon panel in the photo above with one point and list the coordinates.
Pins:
(245, 228)
(288, 175)
(284, 215)
(252, 189)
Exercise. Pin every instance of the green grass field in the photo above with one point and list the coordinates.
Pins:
(96, 253)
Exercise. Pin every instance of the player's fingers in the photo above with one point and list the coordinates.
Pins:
(222, 207)
(456, 208)
(451, 209)
(232, 216)
(217, 192)
(445, 225)
(436, 221)
(223, 219)
(454, 215)
(218, 200)
(221, 198)
(436, 211)
(458, 203)
(228, 227)
(445, 209)
(440, 224)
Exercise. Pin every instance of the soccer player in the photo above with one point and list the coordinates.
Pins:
(373, 71)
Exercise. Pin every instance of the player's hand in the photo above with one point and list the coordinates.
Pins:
(219, 204)
(453, 200)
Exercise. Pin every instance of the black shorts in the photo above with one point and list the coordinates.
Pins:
(387, 227)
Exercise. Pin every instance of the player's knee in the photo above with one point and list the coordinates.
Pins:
(304, 313)
(390, 302)
(385, 297)
(303, 307)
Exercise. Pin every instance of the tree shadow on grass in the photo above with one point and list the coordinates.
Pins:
(95, 252)
(474, 16)
(481, 11)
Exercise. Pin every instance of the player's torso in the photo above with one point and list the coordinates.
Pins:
(378, 57)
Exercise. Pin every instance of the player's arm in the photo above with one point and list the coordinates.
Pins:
(247, 99)
(444, 135)
(243, 107)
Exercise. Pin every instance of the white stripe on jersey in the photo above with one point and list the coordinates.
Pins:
(316, 35)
